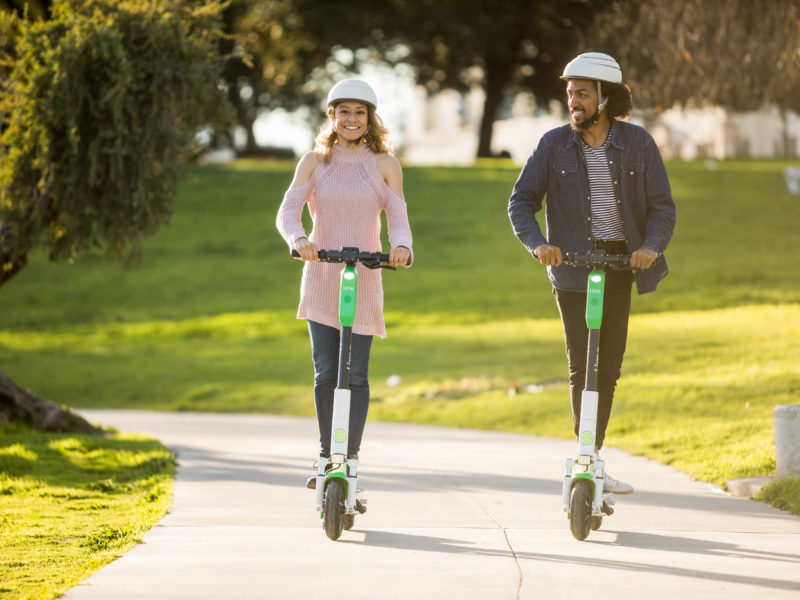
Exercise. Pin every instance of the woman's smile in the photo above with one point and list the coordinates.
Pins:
(350, 120)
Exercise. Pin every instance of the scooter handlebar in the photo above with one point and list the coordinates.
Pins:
(371, 260)
(598, 259)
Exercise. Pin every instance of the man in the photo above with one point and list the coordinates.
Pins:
(606, 188)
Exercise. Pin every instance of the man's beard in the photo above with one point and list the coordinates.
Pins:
(586, 123)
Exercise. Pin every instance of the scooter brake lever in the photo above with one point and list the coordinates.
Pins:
(376, 264)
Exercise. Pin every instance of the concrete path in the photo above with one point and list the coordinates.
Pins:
(452, 514)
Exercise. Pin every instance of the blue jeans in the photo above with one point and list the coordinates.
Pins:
(325, 352)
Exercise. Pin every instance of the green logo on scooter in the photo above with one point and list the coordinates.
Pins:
(587, 437)
(339, 436)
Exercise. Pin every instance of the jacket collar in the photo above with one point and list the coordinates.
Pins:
(616, 139)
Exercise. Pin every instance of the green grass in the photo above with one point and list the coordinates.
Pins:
(784, 493)
(71, 503)
(207, 323)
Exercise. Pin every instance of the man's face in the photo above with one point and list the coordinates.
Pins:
(582, 102)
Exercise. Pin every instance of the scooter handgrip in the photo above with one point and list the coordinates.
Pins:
(295, 253)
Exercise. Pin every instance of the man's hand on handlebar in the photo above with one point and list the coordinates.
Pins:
(399, 257)
(306, 249)
(643, 258)
(549, 256)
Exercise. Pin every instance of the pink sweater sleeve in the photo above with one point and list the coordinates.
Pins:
(289, 220)
(397, 222)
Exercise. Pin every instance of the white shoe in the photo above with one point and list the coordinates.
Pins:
(615, 486)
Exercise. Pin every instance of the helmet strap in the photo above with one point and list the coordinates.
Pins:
(603, 101)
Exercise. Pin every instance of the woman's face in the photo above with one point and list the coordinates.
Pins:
(350, 120)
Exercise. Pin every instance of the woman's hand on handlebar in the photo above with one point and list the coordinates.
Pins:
(549, 256)
(643, 258)
(400, 256)
(306, 249)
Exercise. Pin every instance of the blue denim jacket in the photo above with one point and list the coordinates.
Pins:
(557, 170)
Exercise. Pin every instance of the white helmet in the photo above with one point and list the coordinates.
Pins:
(353, 89)
(593, 65)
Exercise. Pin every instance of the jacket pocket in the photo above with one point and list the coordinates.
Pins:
(631, 177)
(564, 182)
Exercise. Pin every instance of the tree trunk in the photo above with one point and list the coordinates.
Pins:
(497, 77)
(9, 267)
(251, 147)
(20, 406)
(11, 257)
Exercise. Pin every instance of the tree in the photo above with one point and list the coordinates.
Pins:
(99, 110)
(500, 45)
(503, 46)
(283, 53)
(738, 54)
(243, 74)
(38, 9)
(99, 113)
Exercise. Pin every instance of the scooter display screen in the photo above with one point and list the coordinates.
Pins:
(349, 255)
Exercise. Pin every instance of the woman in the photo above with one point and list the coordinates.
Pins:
(347, 180)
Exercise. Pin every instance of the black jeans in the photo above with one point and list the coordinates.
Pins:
(613, 337)
(325, 352)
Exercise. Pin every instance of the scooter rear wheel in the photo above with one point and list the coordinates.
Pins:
(333, 509)
(580, 509)
(596, 523)
(348, 522)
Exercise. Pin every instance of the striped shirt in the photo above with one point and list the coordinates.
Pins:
(606, 219)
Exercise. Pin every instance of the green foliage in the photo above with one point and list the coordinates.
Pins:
(283, 53)
(100, 112)
(72, 503)
(108, 537)
(739, 54)
(783, 493)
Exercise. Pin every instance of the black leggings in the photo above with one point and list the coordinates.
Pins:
(325, 353)
(613, 337)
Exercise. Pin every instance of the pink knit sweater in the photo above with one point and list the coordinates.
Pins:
(345, 199)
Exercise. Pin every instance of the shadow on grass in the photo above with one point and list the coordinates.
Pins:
(77, 461)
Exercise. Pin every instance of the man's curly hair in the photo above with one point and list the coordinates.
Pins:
(620, 99)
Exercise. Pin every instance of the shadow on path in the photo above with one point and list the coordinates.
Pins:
(405, 541)
(201, 464)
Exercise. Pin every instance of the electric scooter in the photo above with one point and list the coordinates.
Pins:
(337, 475)
(582, 490)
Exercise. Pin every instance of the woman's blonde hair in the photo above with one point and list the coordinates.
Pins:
(375, 137)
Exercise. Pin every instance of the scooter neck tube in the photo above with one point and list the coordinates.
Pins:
(343, 381)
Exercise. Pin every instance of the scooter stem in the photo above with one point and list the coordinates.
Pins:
(587, 431)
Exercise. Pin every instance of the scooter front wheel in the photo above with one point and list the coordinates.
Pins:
(580, 509)
(333, 509)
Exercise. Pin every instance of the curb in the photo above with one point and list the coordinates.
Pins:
(748, 487)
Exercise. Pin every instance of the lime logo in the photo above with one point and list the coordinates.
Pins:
(339, 436)
(587, 437)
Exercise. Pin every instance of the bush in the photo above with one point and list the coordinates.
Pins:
(99, 113)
